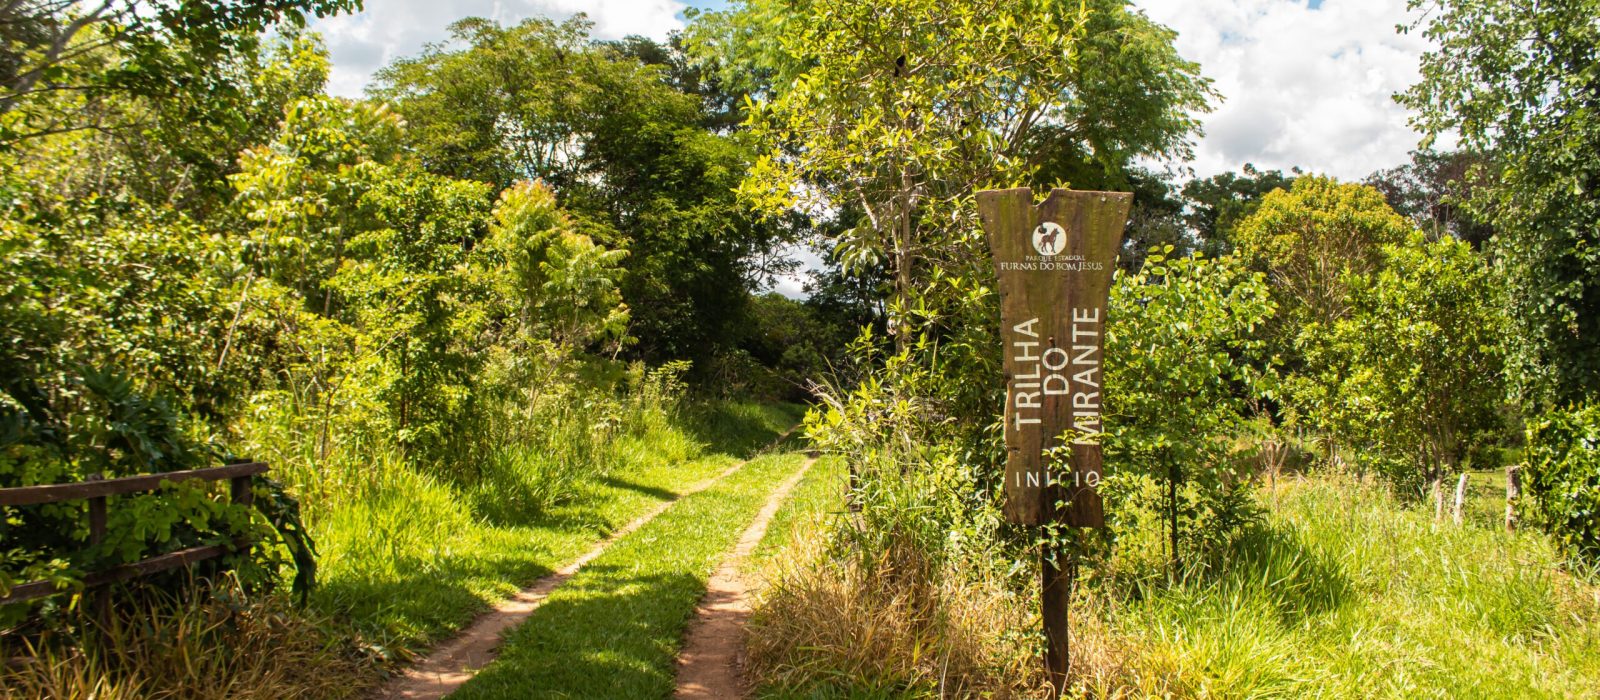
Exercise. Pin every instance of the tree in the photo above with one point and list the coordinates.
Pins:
(1315, 242)
(1432, 191)
(1155, 221)
(1217, 204)
(1180, 351)
(1423, 343)
(362, 254)
(562, 284)
(639, 163)
(1516, 79)
(61, 57)
(905, 108)
(1564, 478)
(1312, 238)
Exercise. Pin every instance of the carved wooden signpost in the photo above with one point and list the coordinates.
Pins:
(1054, 262)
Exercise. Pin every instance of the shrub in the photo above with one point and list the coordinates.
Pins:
(1563, 478)
(1179, 385)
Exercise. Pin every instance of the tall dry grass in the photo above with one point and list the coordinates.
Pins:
(891, 622)
(226, 645)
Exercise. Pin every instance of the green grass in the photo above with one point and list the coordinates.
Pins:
(821, 492)
(413, 561)
(614, 629)
(1348, 594)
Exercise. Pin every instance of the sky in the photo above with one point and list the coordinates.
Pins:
(1305, 83)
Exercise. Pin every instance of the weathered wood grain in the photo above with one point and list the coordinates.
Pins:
(55, 493)
(1056, 302)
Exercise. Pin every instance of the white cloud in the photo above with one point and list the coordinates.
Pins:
(1303, 85)
(362, 43)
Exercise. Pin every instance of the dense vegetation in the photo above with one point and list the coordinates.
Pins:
(517, 297)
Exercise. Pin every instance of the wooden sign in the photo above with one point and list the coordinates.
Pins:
(1054, 263)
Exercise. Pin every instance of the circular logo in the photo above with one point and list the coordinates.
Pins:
(1049, 238)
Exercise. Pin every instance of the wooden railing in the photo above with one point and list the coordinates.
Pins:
(96, 490)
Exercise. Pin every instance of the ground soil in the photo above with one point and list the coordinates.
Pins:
(709, 666)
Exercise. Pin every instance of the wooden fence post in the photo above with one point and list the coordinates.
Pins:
(1461, 498)
(1513, 491)
(1438, 498)
(100, 600)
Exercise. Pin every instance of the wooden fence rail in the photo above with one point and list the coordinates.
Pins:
(96, 490)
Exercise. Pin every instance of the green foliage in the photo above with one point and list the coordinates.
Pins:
(905, 109)
(1433, 191)
(790, 343)
(1422, 350)
(631, 155)
(63, 58)
(565, 284)
(1312, 238)
(1563, 478)
(1390, 344)
(1515, 79)
(1179, 382)
(1217, 204)
(369, 253)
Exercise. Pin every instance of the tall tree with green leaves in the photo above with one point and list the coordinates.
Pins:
(1520, 79)
(905, 107)
(1423, 346)
(641, 162)
(1433, 191)
(1315, 242)
(1217, 204)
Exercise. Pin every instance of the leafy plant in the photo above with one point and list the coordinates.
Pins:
(1563, 477)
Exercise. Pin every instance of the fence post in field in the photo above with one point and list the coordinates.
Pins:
(1438, 498)
(100, 601)
(1513, 491)
(1461, 498)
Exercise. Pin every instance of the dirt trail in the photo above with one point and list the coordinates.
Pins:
(708, 665)
(454, 662)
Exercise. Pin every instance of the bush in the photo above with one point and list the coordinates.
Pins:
(1180, 385)
(1563, 478)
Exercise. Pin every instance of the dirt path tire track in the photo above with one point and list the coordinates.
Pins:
(454, 662)
(709, 665)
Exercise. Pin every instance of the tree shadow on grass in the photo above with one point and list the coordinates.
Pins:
(1274, 562)
(655, 492)
(420, 599)
(614, 634)
(739, 429)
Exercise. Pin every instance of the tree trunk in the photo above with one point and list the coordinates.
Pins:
(902, 273)
(1172, 516)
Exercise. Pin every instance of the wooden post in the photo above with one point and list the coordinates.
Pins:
(1055, 600)
(239, 491)
(1513, 492)
(1438, 498)
(97, 534)
(1461, 498)
(1053, 267)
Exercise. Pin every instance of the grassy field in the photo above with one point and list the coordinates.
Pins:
(1342, 592)
(820, 494)
(1346, 593)
(614, 629)
(414, 562)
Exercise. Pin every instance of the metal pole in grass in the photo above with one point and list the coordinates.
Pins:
(1053, 264)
